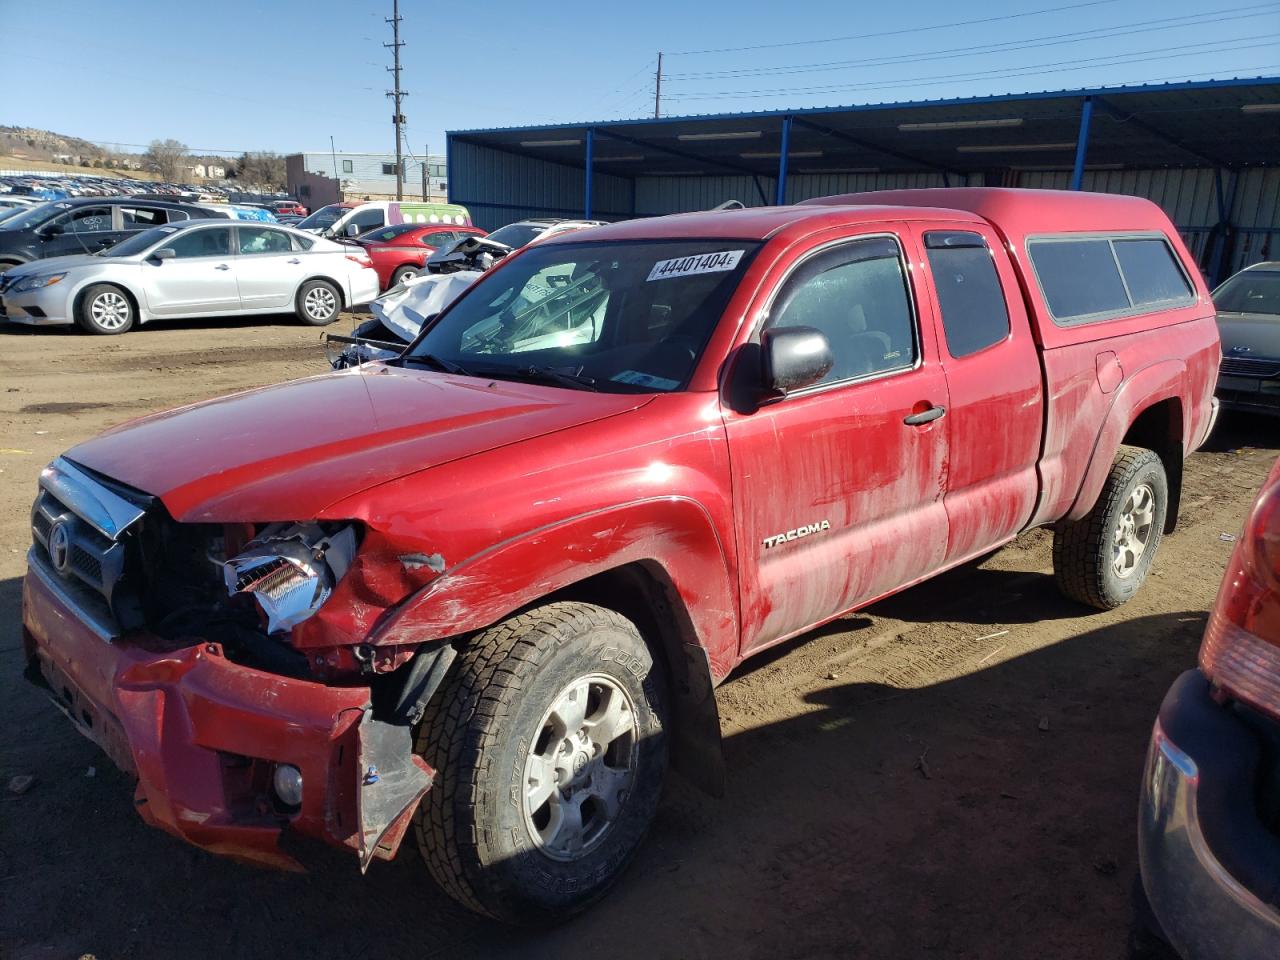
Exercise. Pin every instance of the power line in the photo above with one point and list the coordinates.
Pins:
(1061, 65)
(1176, 77)
(1051, 40)
(895, 33)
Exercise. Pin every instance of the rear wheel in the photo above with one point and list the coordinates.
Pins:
(1103, 558)
(105, 309)
(549, 746)
(318, 303)
(402, 274)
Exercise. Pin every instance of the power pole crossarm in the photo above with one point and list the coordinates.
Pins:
(397, 94)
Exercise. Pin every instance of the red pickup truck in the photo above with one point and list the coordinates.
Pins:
(487, 588)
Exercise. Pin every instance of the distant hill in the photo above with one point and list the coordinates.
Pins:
(33, 144)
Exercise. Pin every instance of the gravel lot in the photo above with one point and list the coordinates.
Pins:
(952, 772)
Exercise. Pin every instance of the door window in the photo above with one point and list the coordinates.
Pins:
(437, 239)
(212, 242)
(87, 220)
(255, 240)
(142, 218)
(974, 315)
(857, 296)
(367, 219)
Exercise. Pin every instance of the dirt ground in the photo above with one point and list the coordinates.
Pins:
(951, 773)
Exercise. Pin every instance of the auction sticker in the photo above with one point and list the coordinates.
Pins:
(701, 263)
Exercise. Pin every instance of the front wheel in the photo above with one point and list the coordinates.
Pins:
(550, 751)
(1102, 559)
(105, 309)
(318, 303)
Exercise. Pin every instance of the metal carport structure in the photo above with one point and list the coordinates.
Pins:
(1207, 151)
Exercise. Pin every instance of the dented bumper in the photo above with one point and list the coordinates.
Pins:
(203, 735)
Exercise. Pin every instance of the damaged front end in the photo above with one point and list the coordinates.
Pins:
(175, 647)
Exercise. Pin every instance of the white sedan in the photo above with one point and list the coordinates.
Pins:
(192, 269)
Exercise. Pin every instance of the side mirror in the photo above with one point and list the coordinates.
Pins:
(52, 230)
(794, 358)
(164, 253)
(351, 230)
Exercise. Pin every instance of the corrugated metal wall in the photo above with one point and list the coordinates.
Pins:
(1190, 198)
(659, 195)
(499, 187)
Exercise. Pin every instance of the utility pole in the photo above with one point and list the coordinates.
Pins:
(397, 94)
(657, 89)
(426, 161)
(337, 181)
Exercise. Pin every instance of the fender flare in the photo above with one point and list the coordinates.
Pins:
(676, 533)
(1151, 385)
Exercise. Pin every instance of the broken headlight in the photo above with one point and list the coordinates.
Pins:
(290, 569)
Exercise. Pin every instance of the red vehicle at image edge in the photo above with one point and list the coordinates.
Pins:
(488, 588)
(1209, 820)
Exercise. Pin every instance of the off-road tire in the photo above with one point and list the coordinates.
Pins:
(471, 826)
(314, 290)
(401, 274)
(1082, 549)
(93, 302)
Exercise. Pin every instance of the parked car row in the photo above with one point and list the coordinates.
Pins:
(191, 267)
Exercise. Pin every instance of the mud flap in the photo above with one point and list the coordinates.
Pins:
(391, 779)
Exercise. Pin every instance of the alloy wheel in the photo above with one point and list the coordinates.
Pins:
(1133, 530)
(580, 767)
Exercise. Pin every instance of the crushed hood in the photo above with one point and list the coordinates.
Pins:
(286, 452)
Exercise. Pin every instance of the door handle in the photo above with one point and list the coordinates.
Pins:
(927, 416)
(293, 260)
(222, 266)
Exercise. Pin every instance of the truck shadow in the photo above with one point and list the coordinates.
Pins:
(988, 816)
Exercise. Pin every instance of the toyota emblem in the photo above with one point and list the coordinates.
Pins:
(60, 546)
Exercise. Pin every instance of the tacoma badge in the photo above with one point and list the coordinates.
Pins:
(801, 531)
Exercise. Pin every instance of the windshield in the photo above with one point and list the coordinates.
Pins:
(385, 234)
(138, 242)
(34, 216)
(617, 317)
(516, 235)
(1253, 291)
(322, 218)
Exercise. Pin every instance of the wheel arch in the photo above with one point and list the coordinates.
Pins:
(659, 563)
(77, 298)
(343, 294)
(1148, 411)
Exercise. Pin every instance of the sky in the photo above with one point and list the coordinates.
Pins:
(285, 75)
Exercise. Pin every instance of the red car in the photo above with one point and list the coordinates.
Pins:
(400, 250)
(487, 588)
(291, 208)
(1209, 820)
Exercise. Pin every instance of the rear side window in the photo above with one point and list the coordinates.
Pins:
(1150, 272)
(1096, 278)
(970, 297)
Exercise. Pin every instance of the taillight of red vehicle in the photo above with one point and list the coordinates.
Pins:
(1241, 649)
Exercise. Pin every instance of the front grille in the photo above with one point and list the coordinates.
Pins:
(1250, 367)
(70, 522)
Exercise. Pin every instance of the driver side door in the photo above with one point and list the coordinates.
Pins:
(80, 230)
(838, 487)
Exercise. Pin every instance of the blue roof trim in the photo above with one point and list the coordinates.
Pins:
(901, 105)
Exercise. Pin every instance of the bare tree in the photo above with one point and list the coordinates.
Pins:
(261, 169)
(166, 158)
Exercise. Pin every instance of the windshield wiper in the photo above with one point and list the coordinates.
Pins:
(535, 372)
(431, 360)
